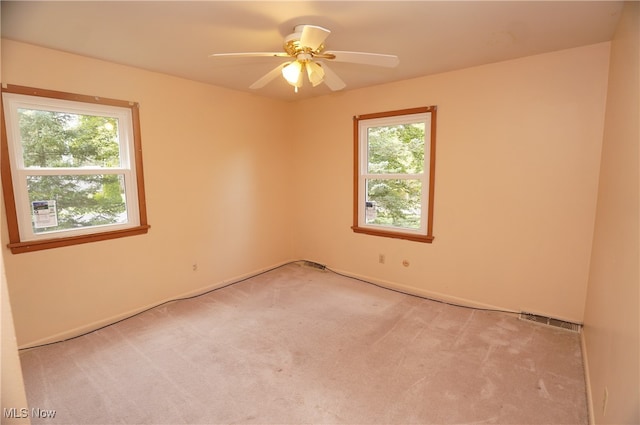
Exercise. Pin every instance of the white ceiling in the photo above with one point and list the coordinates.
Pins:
(177, 37)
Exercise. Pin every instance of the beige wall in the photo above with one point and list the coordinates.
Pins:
(516, 177)
(217, 167)
(12, 394)
(11, 386)
(612, 321)
(518, 148)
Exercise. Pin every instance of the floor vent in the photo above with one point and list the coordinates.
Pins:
(549, 321)
(314, 265)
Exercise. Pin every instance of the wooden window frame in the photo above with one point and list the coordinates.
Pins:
(16, 244)
(380, 230)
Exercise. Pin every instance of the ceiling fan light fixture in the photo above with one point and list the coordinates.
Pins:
(293, 73)
(315, 73)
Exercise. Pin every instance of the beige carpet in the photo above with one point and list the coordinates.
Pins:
(300, 345)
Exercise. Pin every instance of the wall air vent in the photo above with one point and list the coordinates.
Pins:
(549, 321)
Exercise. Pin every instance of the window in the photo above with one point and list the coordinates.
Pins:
(394, 168)
(71, 169)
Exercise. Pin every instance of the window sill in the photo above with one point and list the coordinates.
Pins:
(397, 235)
(38, 245)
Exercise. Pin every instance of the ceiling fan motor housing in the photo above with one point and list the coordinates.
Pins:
(294, 47)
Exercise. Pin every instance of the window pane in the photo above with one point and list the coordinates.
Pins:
(394, 202)
(396, 149)
(60, 139)
(72, 202)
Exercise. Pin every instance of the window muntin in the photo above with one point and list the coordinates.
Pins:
(75, 168)
(393, 178)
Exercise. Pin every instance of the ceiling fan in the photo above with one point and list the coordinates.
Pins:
(305, 46)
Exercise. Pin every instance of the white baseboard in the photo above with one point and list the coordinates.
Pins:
(412, 290)
(587, 379)
(90, 327)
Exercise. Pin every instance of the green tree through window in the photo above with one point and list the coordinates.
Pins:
(73, 173)
(393, 175)
(396, 149)
(62, 140)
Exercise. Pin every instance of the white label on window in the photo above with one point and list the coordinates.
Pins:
(44, 214)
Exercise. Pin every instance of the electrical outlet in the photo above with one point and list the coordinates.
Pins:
(381, 258)
(605, 399)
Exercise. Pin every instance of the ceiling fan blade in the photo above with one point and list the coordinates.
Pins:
(331, 79)
(269, 76)
(376, 59)
(251, 54)
(313, 36)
